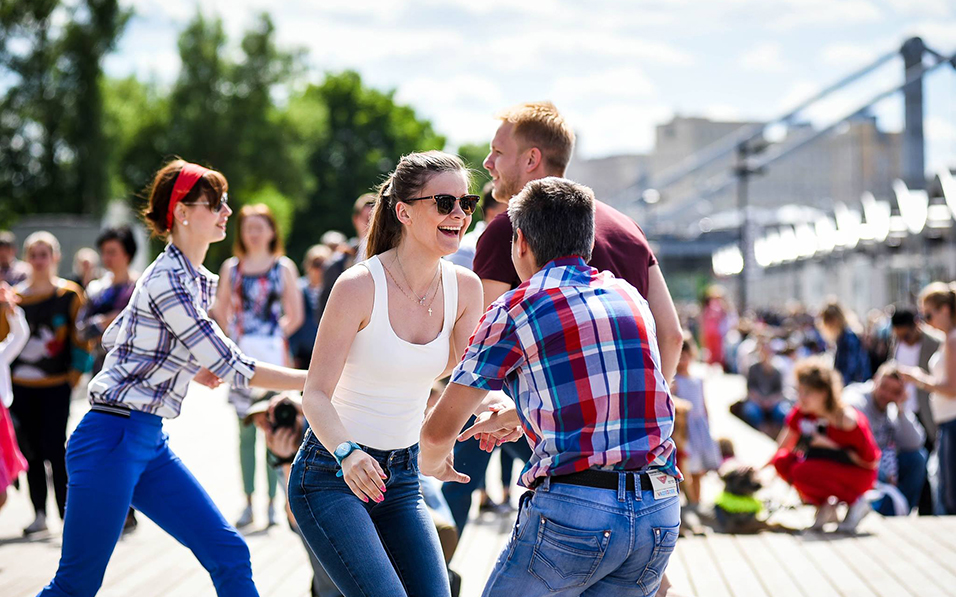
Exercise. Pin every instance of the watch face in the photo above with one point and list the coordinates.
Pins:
(343, 449)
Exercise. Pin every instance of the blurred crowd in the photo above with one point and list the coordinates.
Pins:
(863, 411)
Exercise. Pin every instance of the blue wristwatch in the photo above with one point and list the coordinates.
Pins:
(342, 451)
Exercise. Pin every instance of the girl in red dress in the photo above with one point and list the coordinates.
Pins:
(826, 449)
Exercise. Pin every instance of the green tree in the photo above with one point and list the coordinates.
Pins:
(51, 129)
(365, 132)
(474, 155)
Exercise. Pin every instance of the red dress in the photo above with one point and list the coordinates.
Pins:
(817, 478)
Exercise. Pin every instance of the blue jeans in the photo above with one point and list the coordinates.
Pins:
(471, 460)
(115, 461)
(911, 475)
(390, 548)
(946, 452)
(571, 540)
(755, 415)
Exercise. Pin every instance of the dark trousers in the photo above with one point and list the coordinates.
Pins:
(41, 415)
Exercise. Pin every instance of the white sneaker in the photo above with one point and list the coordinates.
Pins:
(825, 514)
(272, 515)
(854, 515)
(38, 525)
(245, 519)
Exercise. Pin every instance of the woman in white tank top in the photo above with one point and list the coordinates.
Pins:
(393, 325)
(938, 305)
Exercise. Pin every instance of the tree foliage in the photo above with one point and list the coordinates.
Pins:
(71, 139)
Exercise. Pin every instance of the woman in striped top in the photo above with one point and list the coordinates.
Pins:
(161, 341)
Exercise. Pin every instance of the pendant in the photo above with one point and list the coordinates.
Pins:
(429, 311)
(421, 301)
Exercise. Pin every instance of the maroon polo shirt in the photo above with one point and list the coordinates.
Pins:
(620, 247)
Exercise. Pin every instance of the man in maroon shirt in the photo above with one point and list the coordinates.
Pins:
(532, 142)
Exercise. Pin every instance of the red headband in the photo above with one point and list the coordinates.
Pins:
(185, 181)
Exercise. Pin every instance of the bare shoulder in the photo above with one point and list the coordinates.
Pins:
(227, 266)
(355, 284)
(469, 285)
(288, 266)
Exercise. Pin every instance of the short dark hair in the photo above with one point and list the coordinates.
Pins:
(121, 234)
(903, 317)
(556, 217)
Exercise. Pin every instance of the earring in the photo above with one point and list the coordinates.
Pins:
(185, 222)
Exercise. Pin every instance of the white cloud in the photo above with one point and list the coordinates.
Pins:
(764, 57)
(922, 8)
(622, 83)
(615, 128)
(723, 112)
(793, 14)
(847, 55)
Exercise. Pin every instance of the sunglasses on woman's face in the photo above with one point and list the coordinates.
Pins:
(214, 208)
(446, 203)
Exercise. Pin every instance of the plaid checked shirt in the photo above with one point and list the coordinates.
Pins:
(577, 351)
(163, 337)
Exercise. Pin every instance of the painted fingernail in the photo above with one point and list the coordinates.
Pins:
(382, 488)
(365, 499)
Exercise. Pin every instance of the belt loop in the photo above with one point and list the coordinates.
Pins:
(637, 486)
(621, 487)
(546, 484)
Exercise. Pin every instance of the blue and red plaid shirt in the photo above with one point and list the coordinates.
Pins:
(163, 337)
(576, 349)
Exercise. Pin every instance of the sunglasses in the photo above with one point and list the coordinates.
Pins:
(214, 208)
(446, 203)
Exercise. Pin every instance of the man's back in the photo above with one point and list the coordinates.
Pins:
(577, 351)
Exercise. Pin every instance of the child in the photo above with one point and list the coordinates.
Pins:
(701, 453)
(12, 462)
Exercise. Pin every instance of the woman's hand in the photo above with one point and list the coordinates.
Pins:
(495, 427)
(207, 378)
(364, 476)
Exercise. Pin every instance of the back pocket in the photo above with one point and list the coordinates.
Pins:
(665, 539)
(564, 557)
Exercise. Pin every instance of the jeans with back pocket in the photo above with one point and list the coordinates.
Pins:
(573, 540)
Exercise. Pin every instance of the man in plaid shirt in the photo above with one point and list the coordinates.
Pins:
(576, 350)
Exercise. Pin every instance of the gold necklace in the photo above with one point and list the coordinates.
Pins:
(420, 301)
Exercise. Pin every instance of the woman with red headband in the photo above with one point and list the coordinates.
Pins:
(161, 341)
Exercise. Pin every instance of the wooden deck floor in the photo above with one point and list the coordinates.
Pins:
(890, 558)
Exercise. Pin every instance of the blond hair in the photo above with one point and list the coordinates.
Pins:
(938, 295)
(539, 124)
(42, 237)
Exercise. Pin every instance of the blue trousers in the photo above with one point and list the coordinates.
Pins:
(471, 460)
(115, 461)
(570, 540)
(946, 452)
(389, 548)
(911, 475)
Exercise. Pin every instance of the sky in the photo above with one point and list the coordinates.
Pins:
(614, 68)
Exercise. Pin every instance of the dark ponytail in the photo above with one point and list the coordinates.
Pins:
(405, 182)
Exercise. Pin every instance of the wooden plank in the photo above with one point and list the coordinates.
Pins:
(841, 575)
(705, 576)
(869, 570)
(740, 577)
(940, 553)
(677, 570)
(788, 551)
(773, 576)
(898, 564)
(929, 568)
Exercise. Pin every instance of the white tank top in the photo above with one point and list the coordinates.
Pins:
(943, 407)
(384, 387)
